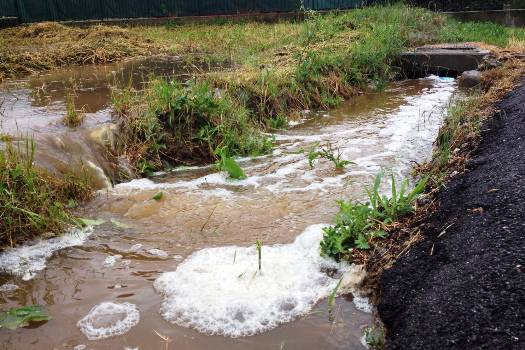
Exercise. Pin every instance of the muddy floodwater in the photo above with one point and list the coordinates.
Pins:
(124, 258)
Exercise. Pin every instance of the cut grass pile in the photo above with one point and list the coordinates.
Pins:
(45, 46)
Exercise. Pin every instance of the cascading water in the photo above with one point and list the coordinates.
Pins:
(186, 266)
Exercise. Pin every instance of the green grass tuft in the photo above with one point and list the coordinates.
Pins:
(32, 201)
(358, 224)
(169, 124)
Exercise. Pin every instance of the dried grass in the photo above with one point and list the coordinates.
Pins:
(45, 46)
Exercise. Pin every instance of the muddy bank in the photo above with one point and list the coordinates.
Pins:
(463, 287)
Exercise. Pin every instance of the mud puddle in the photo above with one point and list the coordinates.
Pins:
(142, 251)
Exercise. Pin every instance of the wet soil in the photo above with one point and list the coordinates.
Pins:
(463, 286)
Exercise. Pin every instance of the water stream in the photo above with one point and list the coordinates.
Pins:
(207, 225)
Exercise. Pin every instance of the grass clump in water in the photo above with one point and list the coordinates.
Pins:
(32, 201)
(327, 152)
(170, 123)
(73, 117)
(358, 224)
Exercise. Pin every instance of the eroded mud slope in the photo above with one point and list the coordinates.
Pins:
(465, 288)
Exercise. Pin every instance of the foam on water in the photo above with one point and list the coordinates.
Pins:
(26, 261)
(157, 252)
(109, 319)
(8, 288)
(220, 291)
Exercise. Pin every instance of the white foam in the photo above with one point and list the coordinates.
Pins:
(111, 260)
(8, 288)
(26, 261)
(362, 303)
(219, 290)
(135, 247)
(109, 319)
(157, 252)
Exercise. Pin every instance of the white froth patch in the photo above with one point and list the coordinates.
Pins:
(109, 319)
(157, 252)
(8, 288)
(26, 261)
(219, 290)
(111, 260)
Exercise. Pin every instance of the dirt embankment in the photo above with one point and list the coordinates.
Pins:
(463, 286)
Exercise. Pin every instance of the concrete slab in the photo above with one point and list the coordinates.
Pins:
(443, 59)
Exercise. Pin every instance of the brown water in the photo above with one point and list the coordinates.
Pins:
(201, 208)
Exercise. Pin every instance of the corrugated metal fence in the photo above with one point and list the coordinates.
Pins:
(75, 10)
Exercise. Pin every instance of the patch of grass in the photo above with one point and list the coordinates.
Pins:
(331, 299)
(358, 224)
(327, 152)
(278, 122)
(283, 67)
(461, 124)
(258, 245)
(32, 201)
(375, 337)
(170, 123)
(486, 32)
(73, 117)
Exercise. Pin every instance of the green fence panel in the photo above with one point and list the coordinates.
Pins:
(36, 11)
(319, 5)
(67, 10)
(8, 8)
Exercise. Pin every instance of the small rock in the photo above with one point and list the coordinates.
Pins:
(470, 78)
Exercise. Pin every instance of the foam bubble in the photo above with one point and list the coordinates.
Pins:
(135, 247)
(26, 261)
(109, 319)
(111, 260)
(362, 303)
(157, 252)
(220, 291)
(8, 288)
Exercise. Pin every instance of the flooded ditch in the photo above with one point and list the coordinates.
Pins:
(188, 261)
